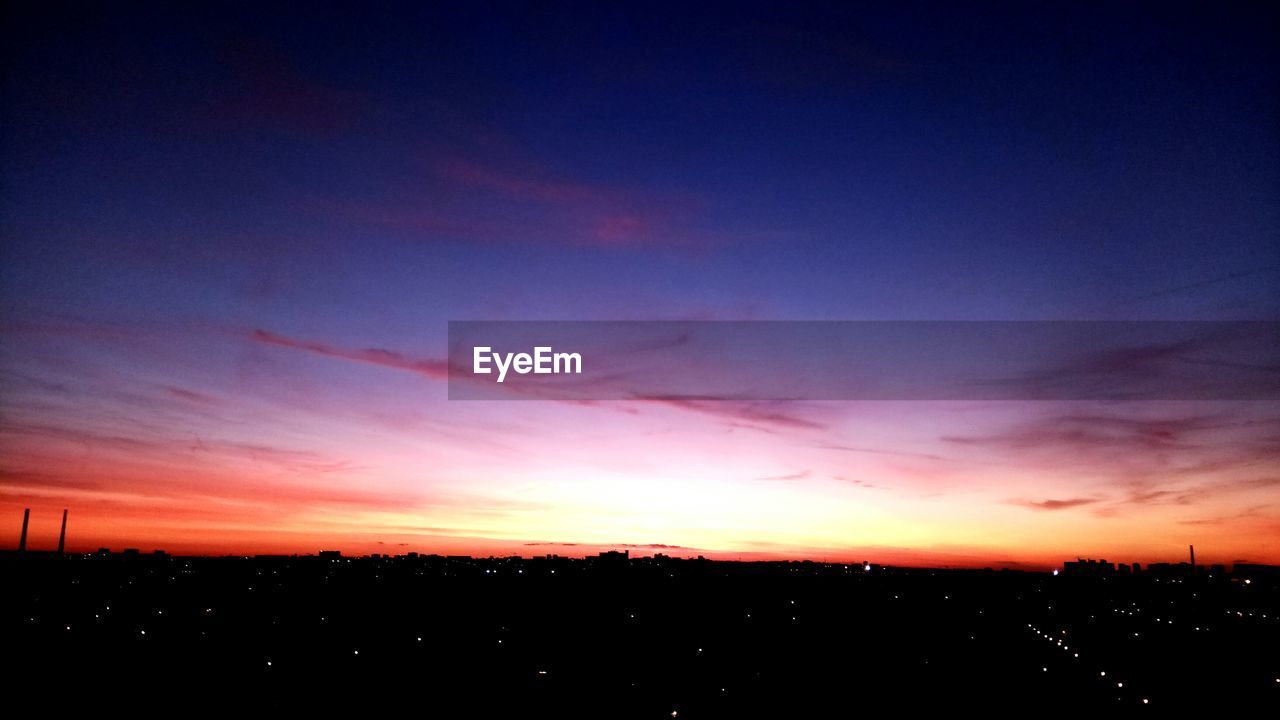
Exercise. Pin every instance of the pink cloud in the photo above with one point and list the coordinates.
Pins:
(1053, 504)
(518, 201)
(803, 474)
(762, 415)
(272, 91)
(526, 187)
(427, 367)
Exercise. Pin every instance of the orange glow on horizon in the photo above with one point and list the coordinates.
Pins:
(327, 450)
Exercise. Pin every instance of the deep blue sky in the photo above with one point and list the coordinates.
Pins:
(334, 170)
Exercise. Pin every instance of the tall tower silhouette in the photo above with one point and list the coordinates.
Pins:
(22, 542)
(62, 537)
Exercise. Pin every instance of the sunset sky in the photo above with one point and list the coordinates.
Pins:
(232, 239)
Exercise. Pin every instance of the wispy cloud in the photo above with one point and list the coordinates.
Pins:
(1166, 364)
(1255, 511)
(762, 415)
(432, 368)
(596, 213)
(1131, 446)
(791, 476)
(273, 91)
(190, 395)
(880, 451)
(515, 198)
(1055, 504)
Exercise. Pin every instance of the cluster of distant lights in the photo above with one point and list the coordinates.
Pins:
(1057, 641)
(1076, 655)
(1135, 611)
(269, 663)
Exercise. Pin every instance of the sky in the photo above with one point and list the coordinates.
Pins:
(232, 237)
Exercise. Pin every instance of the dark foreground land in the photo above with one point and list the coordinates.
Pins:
(607, 638)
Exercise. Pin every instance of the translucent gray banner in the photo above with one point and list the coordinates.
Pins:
(864, 360)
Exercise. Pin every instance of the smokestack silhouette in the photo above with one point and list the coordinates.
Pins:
(22, 542)
(62, 537)
(1193, 556)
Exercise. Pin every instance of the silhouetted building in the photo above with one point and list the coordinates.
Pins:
(613, 558)
(1088, 567)
(1256, 570)
(1169, 569)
